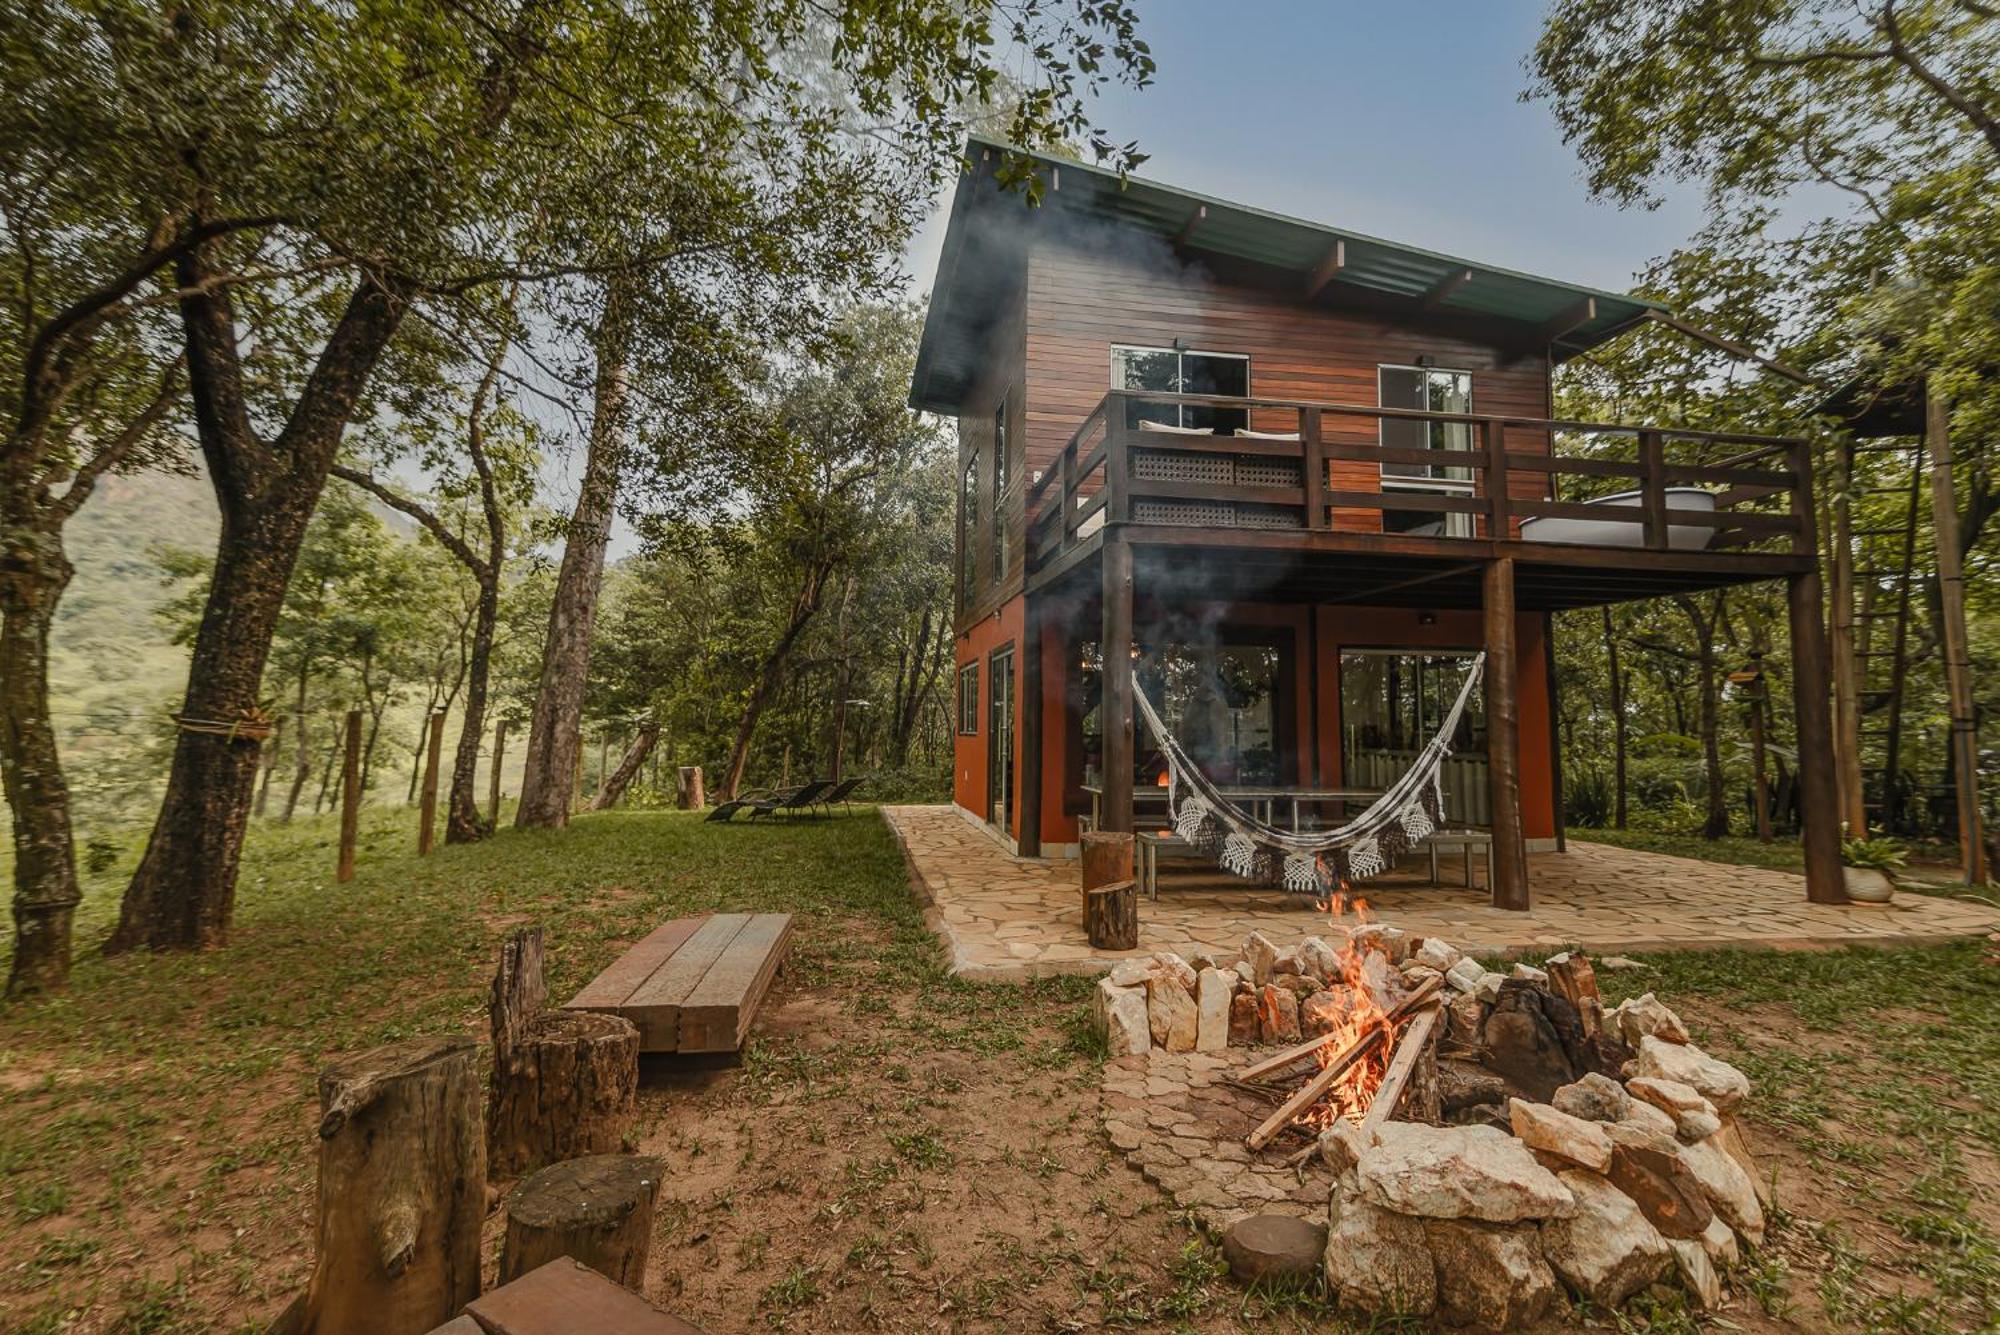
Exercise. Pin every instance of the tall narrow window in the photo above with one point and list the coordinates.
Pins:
(1174, 371)
(968, 698)
(968, 529)
(1429, 390)
(1000, 493)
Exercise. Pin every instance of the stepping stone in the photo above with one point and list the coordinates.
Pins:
(1273, 1247)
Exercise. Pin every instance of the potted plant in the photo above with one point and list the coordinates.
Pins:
(1870, 867)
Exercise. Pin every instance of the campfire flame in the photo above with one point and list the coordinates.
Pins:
(1367, 987)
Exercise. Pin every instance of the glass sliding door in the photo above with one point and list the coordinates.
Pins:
(1229, 697)
(1392, 702)
(1000, 739)
(1429, 390)
(1177, 371)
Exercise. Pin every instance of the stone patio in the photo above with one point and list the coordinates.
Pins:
(1005, 917)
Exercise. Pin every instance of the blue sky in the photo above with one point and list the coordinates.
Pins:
(1397, 120)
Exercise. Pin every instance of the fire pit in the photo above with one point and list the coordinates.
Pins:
(1473, 1142)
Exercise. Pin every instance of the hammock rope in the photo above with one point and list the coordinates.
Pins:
(1308, 862)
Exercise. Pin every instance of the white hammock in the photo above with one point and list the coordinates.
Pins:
(1366, 846)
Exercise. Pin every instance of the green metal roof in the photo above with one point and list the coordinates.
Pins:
(986, 238)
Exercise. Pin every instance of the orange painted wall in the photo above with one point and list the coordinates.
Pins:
(969, 750)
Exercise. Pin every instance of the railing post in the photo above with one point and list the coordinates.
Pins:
(1653, 488)
(1117, 499)
(1314, 463)
(1499, 526)
(1805, 537)
(1066, 494)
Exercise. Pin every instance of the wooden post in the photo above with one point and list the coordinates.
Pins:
(402, 1190)
(1029, 723)
(1760, 794)
(1957, 650)
(1555, 733)
(428, 813)
(1106, 856)
(603, 757)
(1846, 673)
(597, 1210)
(1115, 695)
(350, 797)
(1493, 438)
(499, 752)
(1652, 461)
(1503, 738)
(693, 796)
(1313, 446)
(1819, 811)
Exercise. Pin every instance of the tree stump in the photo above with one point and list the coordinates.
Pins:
(565, 1083)
(402, 1189)
(1106, 858)
(693, 796)
(597, 1210)
(1111, 915)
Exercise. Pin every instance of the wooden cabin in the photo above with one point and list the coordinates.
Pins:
(1296, 477)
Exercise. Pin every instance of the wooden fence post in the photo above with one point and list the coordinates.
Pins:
(499, 751)
(428, 816)
(350, 797)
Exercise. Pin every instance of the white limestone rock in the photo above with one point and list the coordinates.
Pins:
(1694, 1116)
(1458, 1172)
(1171, 1017)
(1488, 987)
(1465, 974)
(1719, 1241)
(1662, 1059)
(1531, 974)
(1260, 953)
(1647, 1014)
(1340, 1147)
(1213, 989)
(1697, 1272)
(1321, 960)
(1608, 1250)
(1728, 1188)
(1489, 1276)
(1541, 1127)
(1179, 969)
(1377, 1260)
(1617, 963)
(1595, 1097)
(1640, 1113)
(1130, 973)
(1121, 1018)
(1438, 953)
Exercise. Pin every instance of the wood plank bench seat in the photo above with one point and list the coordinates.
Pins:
(562, 1298)
(694, 984)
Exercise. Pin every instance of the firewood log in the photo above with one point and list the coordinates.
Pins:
(597, 1210)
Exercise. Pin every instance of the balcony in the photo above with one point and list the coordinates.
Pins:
(1307, 500)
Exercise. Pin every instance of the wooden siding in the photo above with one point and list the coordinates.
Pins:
(1002, 377)
(1079, 304)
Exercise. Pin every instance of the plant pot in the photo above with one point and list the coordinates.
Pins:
(1868, 885)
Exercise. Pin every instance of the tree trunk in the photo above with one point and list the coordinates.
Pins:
(596, 1210)
(402, 1189)
(769, 675)
(301, 746)
(268, 757)
(462, 821)
(1716, 824)
(555, 733)
(33, 573)
(843, 680)
(1619, 724)
(333, 752)
(611, 789)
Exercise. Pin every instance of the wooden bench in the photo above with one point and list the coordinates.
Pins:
(561, 1298)
(694, 984)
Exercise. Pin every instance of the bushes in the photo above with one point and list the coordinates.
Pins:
(1587, 801)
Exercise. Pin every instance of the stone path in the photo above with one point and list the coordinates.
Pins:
(1013, 918)
(1184, 1132)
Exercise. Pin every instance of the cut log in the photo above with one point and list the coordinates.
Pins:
(1411, 1045)
(1111, 915)
(402, 1189)
(693, 795)
(597, 1210)
(565, 1083)
(1423, 1096)
(1106, 859)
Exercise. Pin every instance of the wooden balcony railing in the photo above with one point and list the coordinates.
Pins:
(1330, 477)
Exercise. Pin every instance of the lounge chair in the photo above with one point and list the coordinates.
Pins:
(840, 793)
(793, 799)
(752, 799)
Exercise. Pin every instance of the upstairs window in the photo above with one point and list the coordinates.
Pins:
(1179, 371)
(1000, 493)
(968, 529)
(968, 698)
(1429, 390)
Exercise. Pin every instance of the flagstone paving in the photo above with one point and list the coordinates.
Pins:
(1007, 917)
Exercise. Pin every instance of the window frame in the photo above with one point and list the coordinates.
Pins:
(1456, 523)
(1180, 372)
(968, 674)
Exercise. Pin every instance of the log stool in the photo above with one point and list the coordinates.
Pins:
(597, 1210)
(1111, 915)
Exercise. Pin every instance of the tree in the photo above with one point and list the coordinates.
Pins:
(309, 178)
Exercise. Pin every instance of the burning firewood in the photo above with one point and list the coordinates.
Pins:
(1411, 1045)
(1293, 1055)
(1316, 1089)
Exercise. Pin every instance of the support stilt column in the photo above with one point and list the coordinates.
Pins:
(1503, 738)
(1819, 809)
(1957, 651)
(1116, 700)
(1028, 793)
(1846, 675)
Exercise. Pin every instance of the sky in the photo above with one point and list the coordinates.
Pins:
(1395, 120)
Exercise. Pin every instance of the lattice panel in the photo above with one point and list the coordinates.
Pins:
(1178, 466)
(1268, 516)
(1185, 514)
(1255, 472)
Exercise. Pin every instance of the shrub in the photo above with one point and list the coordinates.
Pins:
(1587, 801)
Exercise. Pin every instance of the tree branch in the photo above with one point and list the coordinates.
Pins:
(120, 446)
(423, 514)
(1981, 119)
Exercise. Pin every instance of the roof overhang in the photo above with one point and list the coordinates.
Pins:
(990, 225)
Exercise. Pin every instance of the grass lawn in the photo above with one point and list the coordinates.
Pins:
(899, 1149)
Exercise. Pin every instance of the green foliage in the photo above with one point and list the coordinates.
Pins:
(1587, 800)
(1884, 855)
